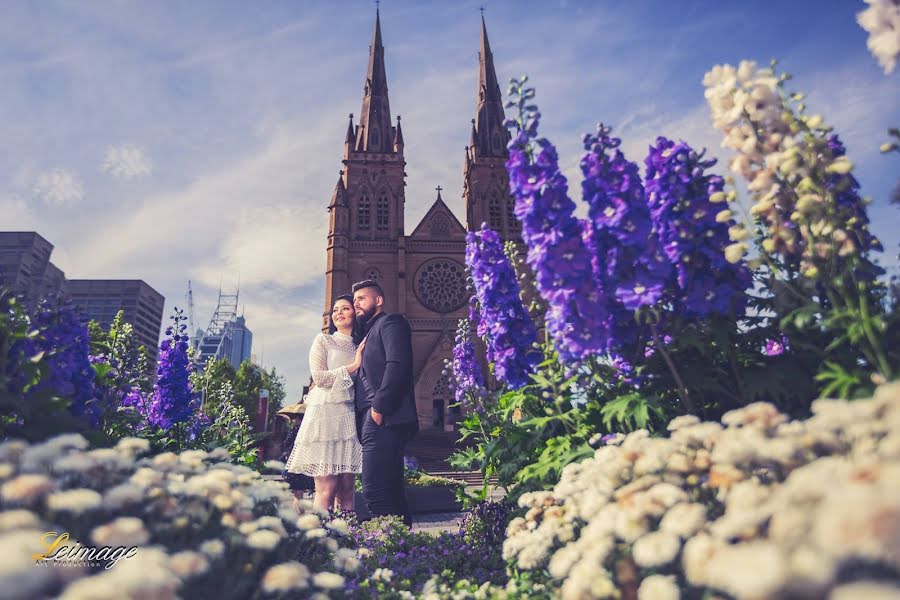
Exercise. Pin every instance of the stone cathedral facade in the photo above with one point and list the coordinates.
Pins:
(423, 273)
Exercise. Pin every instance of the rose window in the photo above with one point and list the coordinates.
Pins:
(441, 285)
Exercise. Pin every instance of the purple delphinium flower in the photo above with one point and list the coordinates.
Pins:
(172, 400)
(503, 320)
(626, 263)
(466, 369)
(66, 343)
(776, 346)
(686, 227)
(557, 253)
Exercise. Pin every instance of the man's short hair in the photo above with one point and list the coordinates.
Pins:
(368, 283)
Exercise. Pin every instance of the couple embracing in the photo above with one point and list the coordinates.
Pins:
(362, 411)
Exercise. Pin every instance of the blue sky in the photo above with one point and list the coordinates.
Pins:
(197, 140)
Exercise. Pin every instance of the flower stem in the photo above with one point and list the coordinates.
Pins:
(685, 398)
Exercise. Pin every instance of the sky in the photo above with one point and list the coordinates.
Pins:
(171, 141)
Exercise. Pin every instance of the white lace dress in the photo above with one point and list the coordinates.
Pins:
(326, 443)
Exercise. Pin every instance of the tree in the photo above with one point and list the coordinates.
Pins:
(247, 382)
(274, 382)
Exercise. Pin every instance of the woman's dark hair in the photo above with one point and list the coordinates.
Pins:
(356, 332)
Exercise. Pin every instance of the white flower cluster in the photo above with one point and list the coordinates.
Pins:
(755, 506)
(784, 157)
(882, 22)
(191, 516)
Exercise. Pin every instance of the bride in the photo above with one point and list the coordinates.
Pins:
(326, 447)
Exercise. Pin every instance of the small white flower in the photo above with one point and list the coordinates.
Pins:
(18, 519)
(340, 526)
(124, 531)
(563, 560)
(273, 465)
(263, 539)
(328, 581)
(309, 521)
(684, 520)
(865, 590)
(682, 422)
(188, 564)
(134, 445)
(656, 549)
(318, 532)
(213, 548)
(286, 577)
(121, 495)
(384, 575)
(750, 570)
(26, 489)
(659, 587)
(345, 560)
(75, 501)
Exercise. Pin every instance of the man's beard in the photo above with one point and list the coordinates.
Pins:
(366, 315)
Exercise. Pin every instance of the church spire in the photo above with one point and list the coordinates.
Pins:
(375, 133)
(490, 135)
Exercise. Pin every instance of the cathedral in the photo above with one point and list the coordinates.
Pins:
(423, 273)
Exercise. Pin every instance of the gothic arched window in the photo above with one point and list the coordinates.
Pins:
(512, 222)
(364, 212)
(495, 213)
(382, 213)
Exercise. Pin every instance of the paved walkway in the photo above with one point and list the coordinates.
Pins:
(437, 523)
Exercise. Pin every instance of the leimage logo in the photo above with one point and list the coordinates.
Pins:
(59, 552)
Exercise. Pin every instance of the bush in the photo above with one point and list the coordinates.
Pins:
(396, 562)
(202, 527)
(758, 506)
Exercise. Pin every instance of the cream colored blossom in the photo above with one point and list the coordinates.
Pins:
(75, 501)
(684, 519)
(134, 445)
(309, 521)
(124, 531)
(213, 548)
(656, 549)
(26, 489)
(328, 581)
(865, 590)
(263, 539)
(750, 570)
(121, 495)
(659, 587)
(188, 564)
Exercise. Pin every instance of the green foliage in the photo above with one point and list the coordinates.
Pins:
(230, 429)
(247, 382)
(20, 371)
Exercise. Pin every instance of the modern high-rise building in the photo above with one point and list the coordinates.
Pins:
(227, 335)
(241, 341)
(25, 267)
(100, 299)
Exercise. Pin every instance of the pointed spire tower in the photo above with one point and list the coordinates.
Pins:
(366, 231)
(486, 182)
(375, 133)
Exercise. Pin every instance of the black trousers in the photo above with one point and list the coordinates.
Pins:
(384, 486)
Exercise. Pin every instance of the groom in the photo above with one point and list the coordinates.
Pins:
(386, 416)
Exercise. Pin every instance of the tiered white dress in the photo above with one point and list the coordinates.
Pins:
(326, 443)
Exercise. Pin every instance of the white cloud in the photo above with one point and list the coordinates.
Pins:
(126, 161)
(269, 245)
(58, 187)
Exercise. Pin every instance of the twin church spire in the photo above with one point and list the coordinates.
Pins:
(375, 132)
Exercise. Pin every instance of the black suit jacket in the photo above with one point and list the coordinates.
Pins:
(385, 377)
